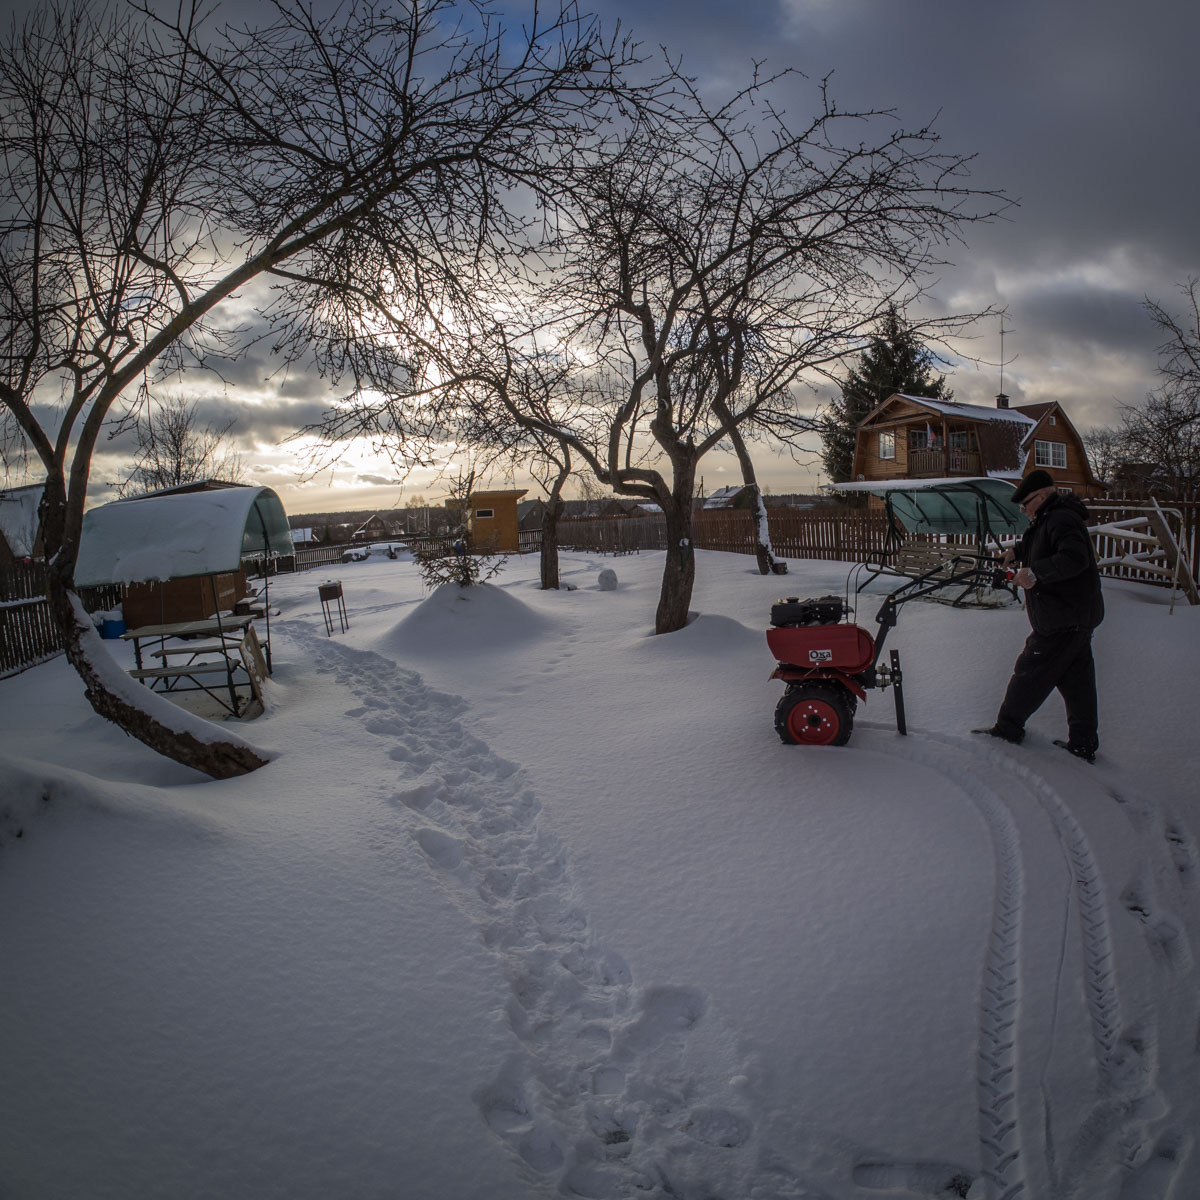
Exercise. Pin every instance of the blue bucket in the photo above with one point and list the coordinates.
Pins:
(112, 629)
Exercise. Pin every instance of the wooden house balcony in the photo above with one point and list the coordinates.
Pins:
(939, 464)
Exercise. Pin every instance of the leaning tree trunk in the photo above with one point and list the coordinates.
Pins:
(168, 736)
(763, 551)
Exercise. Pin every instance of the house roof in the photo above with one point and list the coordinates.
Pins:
(19, 518)
(722, 497)
(180, 535)
(496, 493)
(973, 412)
(1036, 411)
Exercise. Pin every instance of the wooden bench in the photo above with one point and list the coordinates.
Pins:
(203, 678)
(238, 653)
(184, 672)
(208, 648)
(937, 561)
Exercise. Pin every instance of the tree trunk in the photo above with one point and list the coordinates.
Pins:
(679, 573)
(763, 552)
(549, 562)
(219, 759)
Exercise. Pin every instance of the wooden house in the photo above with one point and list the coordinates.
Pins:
(736, 495)
(917, 437)
(374, 528)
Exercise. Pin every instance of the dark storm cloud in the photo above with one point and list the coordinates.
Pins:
(1079, 112)
(266, 422)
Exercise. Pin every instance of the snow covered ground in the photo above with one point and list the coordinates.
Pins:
(529, 903)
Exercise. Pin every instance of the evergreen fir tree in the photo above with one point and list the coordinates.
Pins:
(895, 361)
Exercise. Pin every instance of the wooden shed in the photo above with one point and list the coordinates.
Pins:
(492, 520)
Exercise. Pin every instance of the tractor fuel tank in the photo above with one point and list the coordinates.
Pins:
(845, 648)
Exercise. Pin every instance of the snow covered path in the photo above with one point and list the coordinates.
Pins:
(555, 914)
(611, 1090)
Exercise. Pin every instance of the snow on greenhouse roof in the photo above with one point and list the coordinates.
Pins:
(180, 535)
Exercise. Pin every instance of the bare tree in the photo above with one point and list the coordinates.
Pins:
(700, 271)
(590, 490)
(712, 267)
(1105, 450)
(158, 167)
(1165, 430)
(174, 447)
(1164, 433)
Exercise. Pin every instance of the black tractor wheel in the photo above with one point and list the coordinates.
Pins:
(815, 714)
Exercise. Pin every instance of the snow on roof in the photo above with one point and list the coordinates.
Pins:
(19, 518)
(975, 412)
(177, 536)
(721, 497)
(880, 486)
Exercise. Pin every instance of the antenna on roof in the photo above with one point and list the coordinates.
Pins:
(1003, 361)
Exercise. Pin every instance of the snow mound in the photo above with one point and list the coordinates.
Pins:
(456, 620)
(710, 635)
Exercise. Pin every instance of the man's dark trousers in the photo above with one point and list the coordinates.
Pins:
(1062, 660)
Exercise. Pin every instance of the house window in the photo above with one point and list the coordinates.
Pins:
(1050, 454)
(960, 439)
(1050, 420)
(887, 445)
(919, 439)
(484, 514)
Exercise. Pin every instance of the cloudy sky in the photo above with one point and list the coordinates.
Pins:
(1082, 112)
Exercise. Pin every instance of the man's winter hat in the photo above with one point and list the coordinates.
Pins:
(1033, 482)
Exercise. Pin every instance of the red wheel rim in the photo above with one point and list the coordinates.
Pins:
(813, 722)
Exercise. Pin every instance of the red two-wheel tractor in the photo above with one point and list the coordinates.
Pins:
(828, 663)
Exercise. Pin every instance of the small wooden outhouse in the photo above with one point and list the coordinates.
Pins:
(492, 521)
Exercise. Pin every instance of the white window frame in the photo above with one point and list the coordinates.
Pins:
(1050, 454)
(484, 514)
(887, 443)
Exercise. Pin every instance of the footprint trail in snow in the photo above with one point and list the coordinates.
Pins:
(612, 1089)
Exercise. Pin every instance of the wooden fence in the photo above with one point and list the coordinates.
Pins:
(27, 634)
(848, 534)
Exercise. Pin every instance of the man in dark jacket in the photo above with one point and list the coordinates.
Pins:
(1064, 604)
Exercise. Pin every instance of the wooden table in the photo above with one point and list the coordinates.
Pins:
(228, 638)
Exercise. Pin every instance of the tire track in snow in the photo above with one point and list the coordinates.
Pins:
(997, 1076)
(613, 1090)
(1128, 1100)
